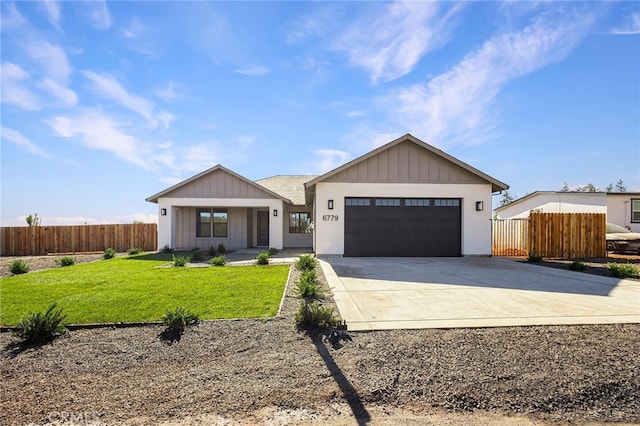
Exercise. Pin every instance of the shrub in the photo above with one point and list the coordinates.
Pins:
(263, 258)
(134, 250)
(41, 328)
(196, 254)
(623, 270)
(305, 262)
(307, 286)
(212, 251)
(18, 266)
(66, 261)
(166, 249)
(577, 265)
(180, 260)
(178, 319)
(218, 260)
(314, 315)
(222, 249)
(109, 253)
(273, 251)
(534, 258)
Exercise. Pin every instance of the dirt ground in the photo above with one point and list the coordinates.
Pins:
(266, 372)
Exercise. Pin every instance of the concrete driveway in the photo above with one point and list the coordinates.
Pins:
(404, 293)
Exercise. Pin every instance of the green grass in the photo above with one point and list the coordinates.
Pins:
(133, 290)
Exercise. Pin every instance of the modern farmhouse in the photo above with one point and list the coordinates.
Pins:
(405, 198)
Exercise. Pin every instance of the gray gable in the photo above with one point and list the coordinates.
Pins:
(217, 182)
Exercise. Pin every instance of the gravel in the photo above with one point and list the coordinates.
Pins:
(264, 371)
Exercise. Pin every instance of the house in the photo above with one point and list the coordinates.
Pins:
(621, 208)
(405, 198)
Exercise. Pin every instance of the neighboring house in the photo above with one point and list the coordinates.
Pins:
(405, 198)
(621, 208)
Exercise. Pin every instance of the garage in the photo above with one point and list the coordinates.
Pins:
(417, 227)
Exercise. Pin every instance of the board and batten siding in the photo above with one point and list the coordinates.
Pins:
(218, 184)
(186, 230)
(406, 162)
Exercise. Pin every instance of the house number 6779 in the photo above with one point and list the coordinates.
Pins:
(330, 217)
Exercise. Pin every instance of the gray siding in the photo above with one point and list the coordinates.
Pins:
(409, 163)
(218, 184)
(185, 230)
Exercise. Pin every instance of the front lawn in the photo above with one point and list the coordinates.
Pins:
(134, 290)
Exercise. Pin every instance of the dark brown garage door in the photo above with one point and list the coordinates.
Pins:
(402, 227)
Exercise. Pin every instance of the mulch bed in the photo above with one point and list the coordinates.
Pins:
(247, 370)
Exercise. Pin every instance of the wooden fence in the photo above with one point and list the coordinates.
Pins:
(509, 237)
(41, 240)
(556, 235)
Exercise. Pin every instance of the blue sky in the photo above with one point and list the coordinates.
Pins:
(105, 104)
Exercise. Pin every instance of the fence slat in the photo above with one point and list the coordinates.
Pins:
(41, 240)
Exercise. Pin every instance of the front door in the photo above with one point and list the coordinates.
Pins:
(263, 228)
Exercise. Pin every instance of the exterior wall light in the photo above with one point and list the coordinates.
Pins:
(275, 212)
(163, 212)
(330, 205)
(479, 206)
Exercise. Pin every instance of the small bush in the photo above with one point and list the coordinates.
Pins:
(305, 262)
(18, 267)
(109, 253)
(178, 319)
(263, 258)
(66, 261)
(134, 250)
(577, 265)
(623, 270)
(307, 286)
(41, 328)
(212, 251)
(196, 254)
(534, 258)
(218, 260)
(180, 260)
(273, 251)
(166, 249)
(314, 315)
(222, 249)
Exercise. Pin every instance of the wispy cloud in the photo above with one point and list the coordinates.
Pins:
(457, 105)
(65, 96)
(253, 70)
(109, 88)
(631, 26)
(134, 29)
(17, 138)
(10, 18)
(14, 91)
(329, 159)
(167, 93)
(96, 130)
(389, 41)
(51, 58)
(53, 12)
(98, 14)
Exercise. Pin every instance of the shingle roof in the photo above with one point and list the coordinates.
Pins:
(291, 187)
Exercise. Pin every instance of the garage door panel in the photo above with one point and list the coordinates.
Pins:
(386, 227)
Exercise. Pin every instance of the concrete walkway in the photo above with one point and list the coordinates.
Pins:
(405, 293)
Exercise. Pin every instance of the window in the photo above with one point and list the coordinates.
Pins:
(635, 210)
(419, 202)
(211, 220)
(357, 202)
(203, 223)
(446, 203)
(387, 202)
(220, 224)
(299, 222)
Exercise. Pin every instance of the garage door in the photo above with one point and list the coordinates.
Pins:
(403, 227)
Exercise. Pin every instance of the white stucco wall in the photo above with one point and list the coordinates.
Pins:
(476, 226)
(166, 226)
(619, 210)
(556, 203)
